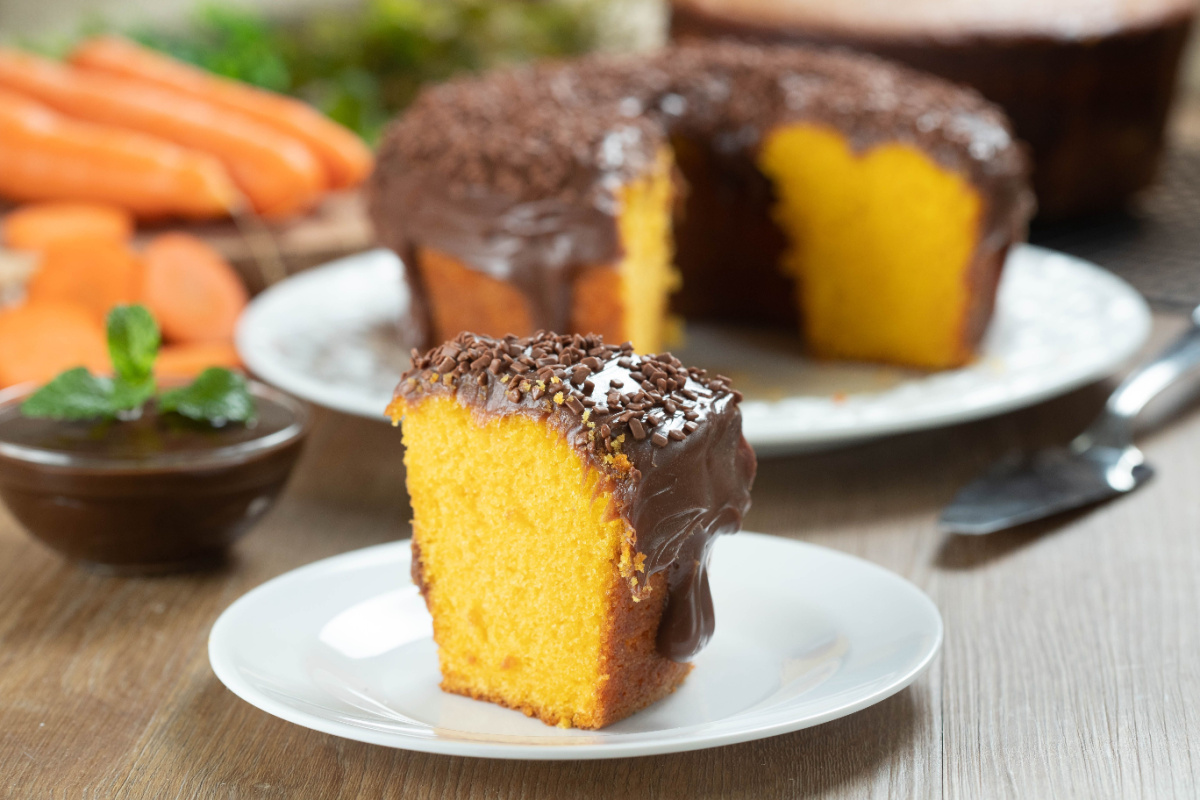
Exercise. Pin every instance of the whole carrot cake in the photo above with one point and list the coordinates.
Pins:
(565, 494)
(870, 205)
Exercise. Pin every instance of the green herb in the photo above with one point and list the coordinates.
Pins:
(217, 396)
(133, 341)
(74, 394)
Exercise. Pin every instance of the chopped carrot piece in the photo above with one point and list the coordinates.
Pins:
(96, 274)
(40, 340)
(186, 361)
(191, 290)
(38, 225)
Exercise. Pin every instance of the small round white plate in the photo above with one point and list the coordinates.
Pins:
(330, 335)
(804, 635)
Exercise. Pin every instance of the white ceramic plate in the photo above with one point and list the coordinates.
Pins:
(330, 336)
(804, 635)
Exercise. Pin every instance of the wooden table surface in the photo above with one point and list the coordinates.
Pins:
(1071, 664)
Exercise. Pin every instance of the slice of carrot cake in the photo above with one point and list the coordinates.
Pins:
(565, 494)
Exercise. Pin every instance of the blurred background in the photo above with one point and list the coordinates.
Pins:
(1108, 191)
(358, 60)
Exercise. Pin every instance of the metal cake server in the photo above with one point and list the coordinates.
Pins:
(1099, 463)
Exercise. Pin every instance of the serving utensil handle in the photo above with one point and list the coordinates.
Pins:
(1114, 426)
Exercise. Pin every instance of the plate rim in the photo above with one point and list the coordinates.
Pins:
(290, 380)
(228, 674)
(767, 441)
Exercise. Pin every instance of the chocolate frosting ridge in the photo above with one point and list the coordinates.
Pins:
(668, 439)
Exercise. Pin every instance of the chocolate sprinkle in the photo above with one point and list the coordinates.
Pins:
(677, 488)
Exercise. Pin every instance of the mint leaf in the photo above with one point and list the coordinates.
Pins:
(133, 340)
(217, 396)
(75, 394)
(129, 396)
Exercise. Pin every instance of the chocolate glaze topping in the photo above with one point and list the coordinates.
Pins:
(517, 173)
(667, 438)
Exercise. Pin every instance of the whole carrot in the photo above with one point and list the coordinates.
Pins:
(46, 156)
(346, 159)
(278, 173)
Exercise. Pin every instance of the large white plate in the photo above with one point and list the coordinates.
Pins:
(804, 635)
(330, 336)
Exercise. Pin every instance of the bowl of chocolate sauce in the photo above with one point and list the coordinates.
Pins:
(159, 493)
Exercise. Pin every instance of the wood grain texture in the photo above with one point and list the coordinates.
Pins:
(1071, 666)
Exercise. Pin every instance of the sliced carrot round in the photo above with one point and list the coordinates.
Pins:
(38, 225)
(94, 273)
(186, 361)
(191, 290)
(40, 340)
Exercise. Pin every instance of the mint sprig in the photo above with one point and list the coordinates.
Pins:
(218, 396)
